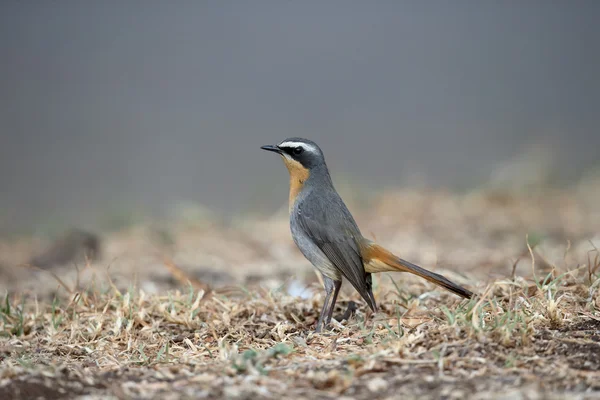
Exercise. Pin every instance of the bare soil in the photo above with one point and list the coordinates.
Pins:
(197, 308)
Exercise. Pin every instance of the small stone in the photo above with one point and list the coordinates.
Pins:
(232, 392)
(377, 385)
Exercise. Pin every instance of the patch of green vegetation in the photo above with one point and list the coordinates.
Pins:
(13, 318)
(258, 360)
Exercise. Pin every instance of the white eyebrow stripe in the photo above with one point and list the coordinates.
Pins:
(305, 146)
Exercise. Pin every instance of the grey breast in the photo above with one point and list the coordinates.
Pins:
(306, 244)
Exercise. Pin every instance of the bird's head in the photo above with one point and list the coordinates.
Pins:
(299, 155)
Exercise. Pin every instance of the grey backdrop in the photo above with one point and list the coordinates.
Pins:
(111, 104)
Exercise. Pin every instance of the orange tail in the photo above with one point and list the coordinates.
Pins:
(378, 259)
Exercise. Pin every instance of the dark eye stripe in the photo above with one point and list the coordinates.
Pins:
(292, 150)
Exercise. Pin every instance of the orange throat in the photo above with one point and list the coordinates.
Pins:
(298, 175)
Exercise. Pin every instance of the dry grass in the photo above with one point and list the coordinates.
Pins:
(126, 326)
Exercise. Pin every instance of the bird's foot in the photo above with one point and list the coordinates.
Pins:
(352, 307)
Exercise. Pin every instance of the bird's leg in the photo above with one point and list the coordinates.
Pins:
(336, 290)
(322, 315)
(348, 313)
(329, 287)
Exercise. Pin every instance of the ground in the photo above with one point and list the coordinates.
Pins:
(195, 307)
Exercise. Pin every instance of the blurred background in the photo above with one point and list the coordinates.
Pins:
(112, 109)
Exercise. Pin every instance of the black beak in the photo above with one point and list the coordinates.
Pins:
(270, 147)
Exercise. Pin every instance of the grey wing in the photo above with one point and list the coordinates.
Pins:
(333, 230)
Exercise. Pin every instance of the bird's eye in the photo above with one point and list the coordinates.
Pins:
(298, 150)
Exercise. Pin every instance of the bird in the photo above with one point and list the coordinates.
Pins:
(326, 234)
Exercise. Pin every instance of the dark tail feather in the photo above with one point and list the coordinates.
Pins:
(435, 278)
